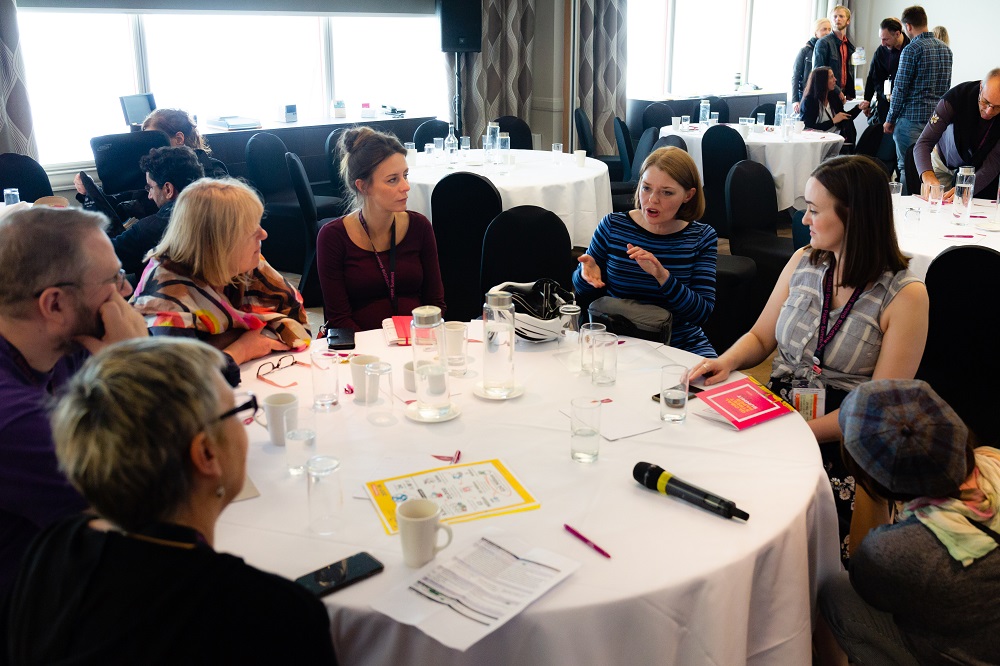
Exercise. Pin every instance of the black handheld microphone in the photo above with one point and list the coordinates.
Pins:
(656, 478)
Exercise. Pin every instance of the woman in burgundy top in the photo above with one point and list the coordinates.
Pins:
(381, 259)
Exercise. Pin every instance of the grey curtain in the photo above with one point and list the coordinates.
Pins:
(601, 67)
(498, 81)
(16, 133)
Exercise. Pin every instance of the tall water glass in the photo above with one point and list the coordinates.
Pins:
(325, 372)
(673, 393)
(326, 500)
(585, 429)
(605, 359)
(557, 149)
(379, 397)
(935, 197)
(300, 438)
(896, 192)
(588, 336)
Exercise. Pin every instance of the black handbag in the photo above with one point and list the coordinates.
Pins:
(625, 316)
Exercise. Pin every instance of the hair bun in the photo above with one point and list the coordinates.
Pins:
(355, 137)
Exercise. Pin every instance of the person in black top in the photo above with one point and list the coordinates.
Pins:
(885, 62)
(181, 129)
(151, 435)
(804, 61)
(822, 108)
(168, 171)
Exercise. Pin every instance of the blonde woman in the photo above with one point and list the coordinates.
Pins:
(206, 279)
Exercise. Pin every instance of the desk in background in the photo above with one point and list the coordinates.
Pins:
(683, 585)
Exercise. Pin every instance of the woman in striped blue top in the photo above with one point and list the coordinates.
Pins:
(657, 253)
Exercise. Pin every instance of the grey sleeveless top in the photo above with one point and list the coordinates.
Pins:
(849, 359)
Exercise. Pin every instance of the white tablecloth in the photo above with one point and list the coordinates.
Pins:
(790, 162)
(925, 235)
(580, 196)
(683, 586)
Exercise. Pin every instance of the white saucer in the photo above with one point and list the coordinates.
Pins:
(413, 414)
(480, 392)
(988, 226)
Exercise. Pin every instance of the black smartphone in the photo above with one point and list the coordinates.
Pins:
(340, 574)
(340, 338)
(692, 393)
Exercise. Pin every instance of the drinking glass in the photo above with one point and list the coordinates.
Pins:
(438, 144)
(605, 359)
(465, 145)
(326, 500)
(300, 438)
(557, 149)
(588, 334)
(11, 196)
(325, 376)
(673, 393)
(685, 123)
(761, 118)
(379, 398)
(935, 197)
(585, 429)
(896, 191)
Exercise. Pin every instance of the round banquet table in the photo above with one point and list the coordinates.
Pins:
(580, 196)
(790, 162)
(924, 235)
(683, 586)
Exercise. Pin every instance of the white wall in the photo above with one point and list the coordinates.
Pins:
(971, 26)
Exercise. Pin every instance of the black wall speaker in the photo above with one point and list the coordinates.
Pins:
(461, 25)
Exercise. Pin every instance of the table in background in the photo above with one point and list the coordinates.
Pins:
(580, 196)
(683, 585)
(790, 162)
(924, 239)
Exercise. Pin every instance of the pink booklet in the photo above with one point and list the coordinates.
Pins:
(742, 404)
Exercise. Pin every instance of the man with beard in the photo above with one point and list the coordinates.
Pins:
(61, 299)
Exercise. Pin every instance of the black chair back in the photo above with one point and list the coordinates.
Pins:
(719, 105)
(626, 151)
(526, 243)
(308, 286)
(584, 133)
(642, 150)
(102, 204)
(800, 232)
(333, 161)
(767, 108)
(117, 159)
(721, 148)
(462, 206)
(911, 184)
(734, 313)
(429, 130)
(520, 133)
(657, 115)
(879, 146)
(26, 175)
(960, 323)
(671, 140)
(266, 167)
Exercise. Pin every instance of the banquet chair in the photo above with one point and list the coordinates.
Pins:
(462, 206)
(585, 137)
(526, 243)
(116, 157)
(879, 146)
(657, 114)
(733, 314)
(800, 232)
(308, 286)
(767, 108)
(625, 201)
(427, 131)
(626, 152)
(721, 148)
(332, 152)
(719, 105)
(752, 217)
(912, 184)
(670, 140)
(26, 175)
(520, 133)
(961, 322)
(268, 172)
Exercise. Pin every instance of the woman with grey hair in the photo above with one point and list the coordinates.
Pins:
(152, 436)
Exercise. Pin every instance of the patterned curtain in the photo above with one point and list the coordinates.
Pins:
(497, 82)
(16, 133)
(601, 68)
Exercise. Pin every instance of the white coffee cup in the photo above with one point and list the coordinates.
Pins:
(275, 406)
(358, 364)
(409, 380)
(675, 123)
(581, 157)
(419, 522)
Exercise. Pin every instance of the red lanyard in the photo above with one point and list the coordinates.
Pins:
(825, 337)
(390, 277)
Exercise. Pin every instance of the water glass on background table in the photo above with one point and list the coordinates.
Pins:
(896, 191)
(557, 149)
(300, 438)
(11, 196)
(465, 146)
(685, 123)
(761, 118)
(673, 393)
(326, 499)
(439, 144)
(325, 375)
(585, 429)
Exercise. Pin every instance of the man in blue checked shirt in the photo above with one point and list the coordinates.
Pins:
(923, 77)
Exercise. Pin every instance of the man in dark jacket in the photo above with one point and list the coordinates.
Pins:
(835, 51)
(168, 171)
(804, 61)
(885, 62)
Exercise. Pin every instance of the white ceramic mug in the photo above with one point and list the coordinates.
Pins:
(581, 157)
(358, 363)
(275, 406)
(419, 522)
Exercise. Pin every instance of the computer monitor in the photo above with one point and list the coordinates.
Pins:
(136, 108)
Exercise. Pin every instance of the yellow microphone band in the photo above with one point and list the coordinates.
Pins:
(661, 483)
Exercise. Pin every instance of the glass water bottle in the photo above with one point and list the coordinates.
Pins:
(430, 368)
(498, 344)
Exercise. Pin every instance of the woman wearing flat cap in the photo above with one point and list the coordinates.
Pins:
(925, 590)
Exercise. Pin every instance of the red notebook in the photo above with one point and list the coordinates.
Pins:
(397, 330)
(742, 404)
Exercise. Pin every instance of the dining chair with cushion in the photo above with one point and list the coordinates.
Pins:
(879, 146)
(462, 206)
(719, 105)
(585, 138)
(268, 172)
(657, 114)
(752, 217)
(526, 243)
(625, 200)
(721, 148)
(427, 131)
(670, 140)
(520, 133)
(959, 323)
(309, 285)
(733, 314)
(26, 175)
(768, 109)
